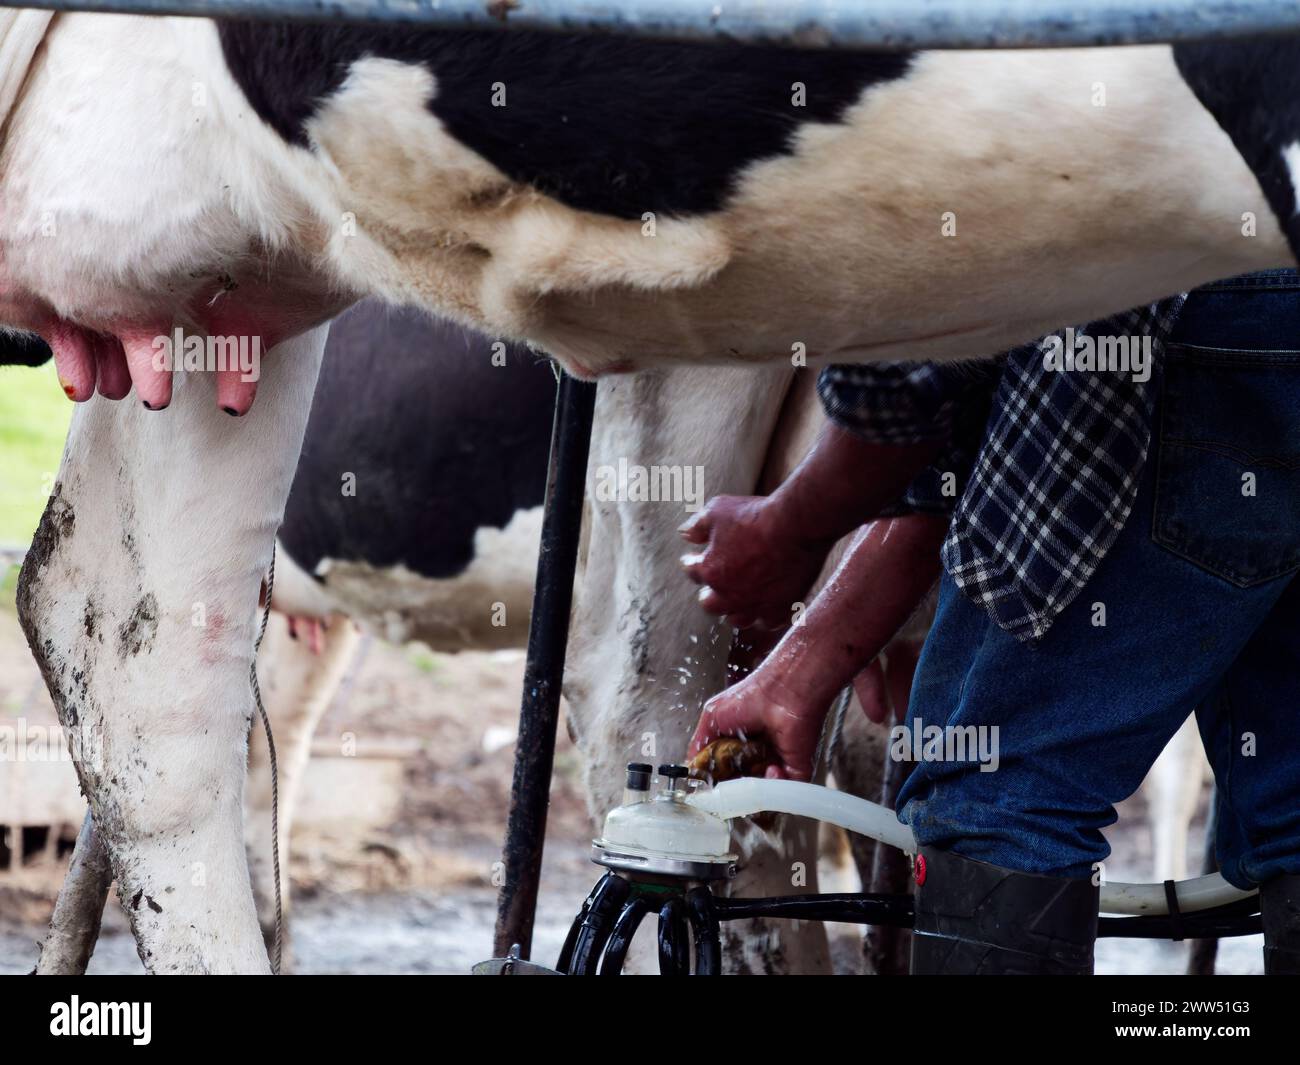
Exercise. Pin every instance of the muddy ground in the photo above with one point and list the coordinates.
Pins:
(416, 895)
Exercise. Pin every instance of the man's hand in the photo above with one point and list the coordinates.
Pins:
(753, 566)
(759, 705)
(884, 574)
(761, 554)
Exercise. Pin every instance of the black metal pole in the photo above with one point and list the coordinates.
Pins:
(897, 25)
(548, 637)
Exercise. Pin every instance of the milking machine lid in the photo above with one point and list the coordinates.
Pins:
(665, 836)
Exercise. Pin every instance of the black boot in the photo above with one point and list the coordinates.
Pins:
(1279, 904)
(976, 918)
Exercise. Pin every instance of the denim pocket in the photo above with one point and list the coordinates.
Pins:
(1227, 494)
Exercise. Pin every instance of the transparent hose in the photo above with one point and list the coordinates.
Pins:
(751, 795)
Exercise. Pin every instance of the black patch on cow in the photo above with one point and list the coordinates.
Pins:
(1252, 88)
(58, 523)
(137, 632)
(438, 441)
(616, 125)
(18, 348)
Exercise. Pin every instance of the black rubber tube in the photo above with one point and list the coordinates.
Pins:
(850, 909)
(629, 920)
(1240, 918)
(606, 901)
(674, 940)
(570, 940)
(704, 925)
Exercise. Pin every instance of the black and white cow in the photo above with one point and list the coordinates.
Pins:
(625, 202)
(619, 204)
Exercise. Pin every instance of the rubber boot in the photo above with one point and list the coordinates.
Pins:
(1279, 904)
(979, 919)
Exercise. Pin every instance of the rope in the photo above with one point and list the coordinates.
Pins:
(832, 729)
(275, 774)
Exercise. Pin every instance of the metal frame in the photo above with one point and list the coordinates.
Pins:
(850, 24)
(548, 639)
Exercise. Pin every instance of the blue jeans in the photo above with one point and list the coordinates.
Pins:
(1195, 609)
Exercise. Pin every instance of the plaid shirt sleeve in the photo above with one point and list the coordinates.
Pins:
(915, 403)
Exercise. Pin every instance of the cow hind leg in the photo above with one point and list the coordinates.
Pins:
(74, 927)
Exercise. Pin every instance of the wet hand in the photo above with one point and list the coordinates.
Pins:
(760, 706)
(753, 567)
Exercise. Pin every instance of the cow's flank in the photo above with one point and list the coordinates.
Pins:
(615, 125)
(420, 435)
(730, 204)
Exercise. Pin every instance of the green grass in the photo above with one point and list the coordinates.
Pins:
(34, 415)
(423, 659)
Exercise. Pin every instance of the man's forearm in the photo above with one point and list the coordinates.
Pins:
(844, 482)
(885, 573)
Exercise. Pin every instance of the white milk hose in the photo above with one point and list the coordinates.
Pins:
(751, 795)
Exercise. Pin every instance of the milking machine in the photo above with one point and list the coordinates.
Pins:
(663, 854)
(667, 853)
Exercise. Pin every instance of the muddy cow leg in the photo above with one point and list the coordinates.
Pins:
(74, 927)
(139, 599)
